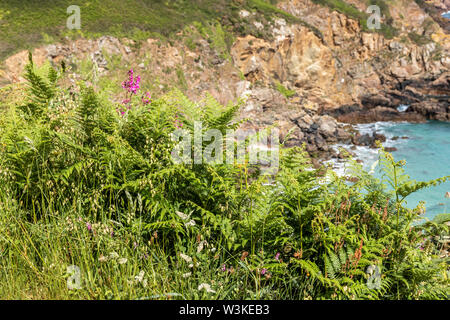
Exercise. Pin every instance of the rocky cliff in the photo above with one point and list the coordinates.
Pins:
(310, 77)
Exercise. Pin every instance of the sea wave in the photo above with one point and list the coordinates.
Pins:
(366, 155)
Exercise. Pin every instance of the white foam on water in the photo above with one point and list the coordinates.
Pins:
(337, 165)
(368, 156)
(379, 127)
(365, 154)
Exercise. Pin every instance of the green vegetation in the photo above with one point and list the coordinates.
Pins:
(418, 39)
(343, 7)
(270, 8)
(181, 78)
(25, 24)
(351, 11)
(84, 185)
(220, 38)
(283, 90)
(384, 7)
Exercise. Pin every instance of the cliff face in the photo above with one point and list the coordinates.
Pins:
(372, 74)
(352, 75)
(304, 76)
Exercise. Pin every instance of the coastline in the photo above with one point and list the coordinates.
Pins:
(417, 143)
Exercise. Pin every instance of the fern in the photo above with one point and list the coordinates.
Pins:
(87, 115)
(41, 90)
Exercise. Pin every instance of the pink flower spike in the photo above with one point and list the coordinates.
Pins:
(131, 85)
(146, 99)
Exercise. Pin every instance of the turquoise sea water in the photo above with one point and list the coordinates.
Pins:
(427, 155)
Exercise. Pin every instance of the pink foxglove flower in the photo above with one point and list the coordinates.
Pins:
(131, 84)
(146, 99)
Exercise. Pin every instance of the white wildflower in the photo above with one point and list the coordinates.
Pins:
(201, 245)
(113, 255)
(185, 257)
(187, 275)
(182, 215)
(244, 13)
(207, 287)
(258, 25)
(122, 260)
(190, 223)
(140, 276)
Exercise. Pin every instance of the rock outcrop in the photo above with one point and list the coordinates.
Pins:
(309, 78)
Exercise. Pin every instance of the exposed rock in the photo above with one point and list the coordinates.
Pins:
(368, 140)
(300, 60)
